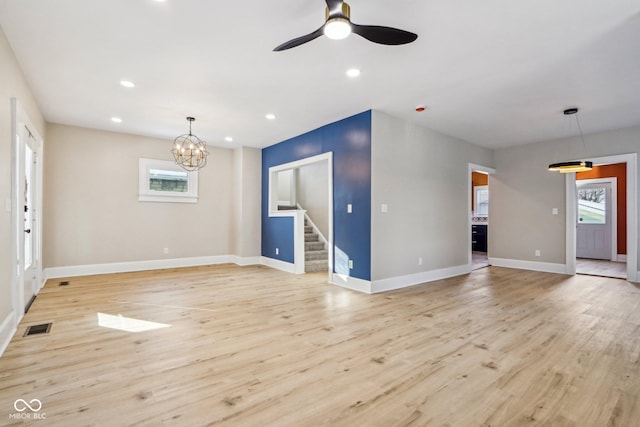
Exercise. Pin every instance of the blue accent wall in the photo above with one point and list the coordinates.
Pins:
(350, 141)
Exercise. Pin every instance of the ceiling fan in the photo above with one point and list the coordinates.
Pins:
(338, 26)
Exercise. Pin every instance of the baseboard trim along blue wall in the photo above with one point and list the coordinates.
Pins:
(350, 142)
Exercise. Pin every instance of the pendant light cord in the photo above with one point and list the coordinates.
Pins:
(584, 146)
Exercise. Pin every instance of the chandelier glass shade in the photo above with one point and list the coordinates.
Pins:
(189, 151)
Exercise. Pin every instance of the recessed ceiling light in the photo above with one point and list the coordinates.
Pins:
(127, 83)
(116, 119)
(353, 72)
(271, 116)
(228, 139)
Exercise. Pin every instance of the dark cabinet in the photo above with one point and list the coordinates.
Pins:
(479, 238)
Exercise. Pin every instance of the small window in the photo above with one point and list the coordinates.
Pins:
(164, 181)
(592, 205)
(481, 200)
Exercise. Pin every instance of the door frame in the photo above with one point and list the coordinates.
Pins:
(19, 120)
(298, 216)
(614, 209)
(472, 167)
(631, 160)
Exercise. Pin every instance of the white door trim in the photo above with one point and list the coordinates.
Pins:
(614, 209)
(632, 213)
(19, 119)
(472, 167)
(298, 238)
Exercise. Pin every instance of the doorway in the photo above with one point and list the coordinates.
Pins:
(601, 221)
(303, 189)
(604, 242)
(26, 200)
(479, 194)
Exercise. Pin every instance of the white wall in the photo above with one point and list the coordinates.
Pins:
(524, 192)
(286, 188)
(12, 85)
(247, 196)
(91, 210)
(312, 189)
(423, 178)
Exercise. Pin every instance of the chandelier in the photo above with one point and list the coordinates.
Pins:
(189, 151)
(578, 165)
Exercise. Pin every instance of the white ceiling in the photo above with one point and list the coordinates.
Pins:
(494, 72)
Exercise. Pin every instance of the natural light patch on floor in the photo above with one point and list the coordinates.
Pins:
(128, 324)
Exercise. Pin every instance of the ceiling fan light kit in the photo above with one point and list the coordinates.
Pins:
(338, 26)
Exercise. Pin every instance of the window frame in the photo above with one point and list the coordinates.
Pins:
(476, 200)
(145, 194)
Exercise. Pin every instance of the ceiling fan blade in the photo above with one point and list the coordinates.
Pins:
(384, 35)
(300, 40)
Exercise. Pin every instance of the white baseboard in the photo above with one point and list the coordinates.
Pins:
(399, 282)
(278, 265)
(7, 330)
(244, 261)
(352, 283)
(547, 267)
(621, 258)
(125, 267)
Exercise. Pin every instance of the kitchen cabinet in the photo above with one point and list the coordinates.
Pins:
(479, 238)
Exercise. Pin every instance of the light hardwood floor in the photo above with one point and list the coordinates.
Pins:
(257, 347)
(596, 267)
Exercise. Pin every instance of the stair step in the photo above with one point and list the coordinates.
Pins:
(317, 265)
(316, 255)
(310, 237)
(308, 229)
(287, 208)
(313, 246)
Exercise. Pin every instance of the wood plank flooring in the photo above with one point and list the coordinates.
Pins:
(597, 267)
(251, 346)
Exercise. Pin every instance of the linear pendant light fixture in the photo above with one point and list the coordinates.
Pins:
(189, 151)
(573, 166)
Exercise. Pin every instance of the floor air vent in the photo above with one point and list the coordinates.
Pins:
(65, 283)
(38, 329)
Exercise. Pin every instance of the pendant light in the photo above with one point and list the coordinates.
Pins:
(189, 151)
(573, 166)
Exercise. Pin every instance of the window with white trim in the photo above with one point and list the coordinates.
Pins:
(164, 181)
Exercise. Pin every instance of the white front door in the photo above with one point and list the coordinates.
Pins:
(593, 222)
(30, 234)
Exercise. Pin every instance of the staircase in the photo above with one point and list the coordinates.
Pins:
(316, 257)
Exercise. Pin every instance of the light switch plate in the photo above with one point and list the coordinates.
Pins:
(7, 205)
(349, 208)
(384, 208)
(554, 211)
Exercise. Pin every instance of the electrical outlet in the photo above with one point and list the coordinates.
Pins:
(277, 251)
(537, 252)
(349, 208)
(384, 208)
(7, 205)
(419, 260)
(350, 264)
(166, 250)
(554, 211)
